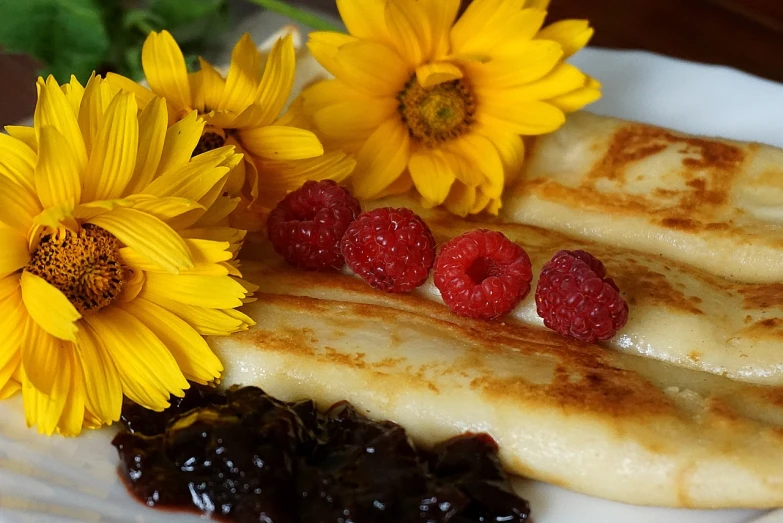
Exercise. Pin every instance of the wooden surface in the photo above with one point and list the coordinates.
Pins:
(745, 34)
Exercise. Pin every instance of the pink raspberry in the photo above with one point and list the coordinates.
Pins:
(391, 249)
(482, 274)
(306, 226)
(576, 299)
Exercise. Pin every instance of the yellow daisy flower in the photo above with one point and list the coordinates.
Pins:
(111, 266)
(427, 101)
(241, 109)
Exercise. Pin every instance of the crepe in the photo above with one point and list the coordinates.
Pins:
(714, 204)
(581, 416)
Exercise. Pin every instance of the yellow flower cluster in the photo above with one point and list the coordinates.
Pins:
(122, 208)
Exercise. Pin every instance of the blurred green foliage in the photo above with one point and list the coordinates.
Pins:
(81, 36)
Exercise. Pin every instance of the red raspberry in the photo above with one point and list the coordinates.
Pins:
(391, 249)
(306, 226)
(482, 274)
(576, 299)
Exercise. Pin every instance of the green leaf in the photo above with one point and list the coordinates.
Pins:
(68, 36)
(177, 13)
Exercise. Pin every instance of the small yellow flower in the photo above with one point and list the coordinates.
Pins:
(427, 101)
(112, 267)
(242, 110)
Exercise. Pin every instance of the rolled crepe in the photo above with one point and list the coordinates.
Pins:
(581, 416)
(713, 204)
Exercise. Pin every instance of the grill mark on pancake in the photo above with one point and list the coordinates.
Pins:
(762, 296)
(597, 385)
(708, 170)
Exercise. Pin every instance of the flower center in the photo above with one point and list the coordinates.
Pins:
(209, 140)
(437, 114)
(85, 266)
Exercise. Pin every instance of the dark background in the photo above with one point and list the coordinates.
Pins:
(746, 34)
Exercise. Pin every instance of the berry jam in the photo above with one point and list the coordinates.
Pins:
(245, 456)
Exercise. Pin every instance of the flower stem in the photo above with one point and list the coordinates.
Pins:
(297, 15)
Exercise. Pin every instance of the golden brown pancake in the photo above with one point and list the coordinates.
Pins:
(713, 204)
(581, 416)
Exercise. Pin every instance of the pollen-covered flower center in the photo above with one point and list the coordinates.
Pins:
(85, 266)
(437, 114)
(208, 141)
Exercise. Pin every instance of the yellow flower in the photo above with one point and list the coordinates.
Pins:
(427, 101)
(242, 110)
(111, 266)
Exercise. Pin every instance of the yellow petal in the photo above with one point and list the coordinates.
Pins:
(211, 87)
(358, 64)
(572, 35)
(278, 178)
(242, 78)
(381, 160)
(482, 157)
(536, 59)
(203, 291)
(191, 180)
(168, 207)
(440, 15)
(563, 79)
(49, 307)
(54, 110)
(409, 30)
(14, 253)
(12, 325)
(578, 98)
(97, 96)
(517, 30)
(18, 206)
(45, 409)
(72, 418)
(538, 4)
(57, 173)
(276, 84)
(526, 118)
(431, 175)
(153, 123)
(207, 322)
(217, 214)
(276, 142)
(190, 350)
(9, 285)
(147, 370)
(324, 46)
(365, 19)
(143, 95)
(511, 149)
(434, 73)
(181, 140)
(460, 200)
(23, 134)
(354, 120)
(43, 356)
(478, 24)
(113, 157)
(10, 388)
(148, 236)
(103, 389)
(461, 163)
(17, 161)
(164, 67)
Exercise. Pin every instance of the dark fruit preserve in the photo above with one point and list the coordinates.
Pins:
(242, 455)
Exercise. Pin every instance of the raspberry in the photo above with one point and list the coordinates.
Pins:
(391, 249)
(306, 226)
(482, 274)
(576, 299)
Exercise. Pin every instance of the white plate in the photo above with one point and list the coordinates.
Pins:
(58, 480)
